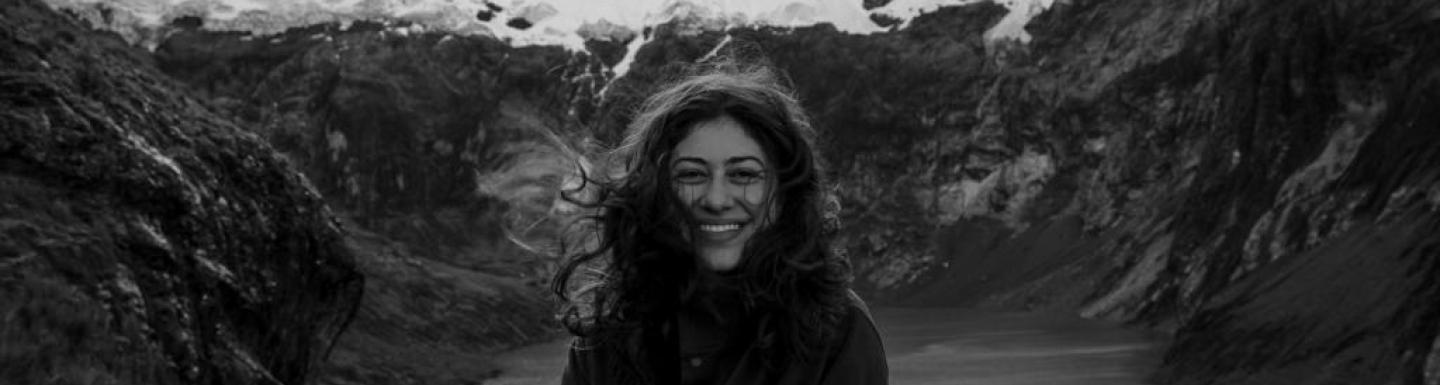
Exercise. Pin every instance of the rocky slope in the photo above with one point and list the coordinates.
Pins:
(437, 150)
(1256, 178)
(144, 239)
(1267, 187)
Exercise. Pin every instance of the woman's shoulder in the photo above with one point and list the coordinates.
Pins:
(849, 320)
(594, 361)
(857, 304)
(858, 322)
(601, 340)
(599, 346)
(859, 357)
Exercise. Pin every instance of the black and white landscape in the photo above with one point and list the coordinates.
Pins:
(1251, 186)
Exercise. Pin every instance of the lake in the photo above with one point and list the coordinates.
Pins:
(956, 346)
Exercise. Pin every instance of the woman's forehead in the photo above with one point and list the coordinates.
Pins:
(719, 140)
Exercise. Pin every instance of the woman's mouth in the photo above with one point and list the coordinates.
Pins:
(720, 228)
(719, 233)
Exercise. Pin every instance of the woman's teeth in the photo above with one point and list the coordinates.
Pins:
(719, 228)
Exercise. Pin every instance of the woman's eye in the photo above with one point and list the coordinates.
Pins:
(690, 177)
(744, 176)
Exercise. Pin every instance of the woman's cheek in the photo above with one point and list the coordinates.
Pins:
(755, 196)
(686, 193)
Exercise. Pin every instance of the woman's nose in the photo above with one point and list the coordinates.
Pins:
(717, 196)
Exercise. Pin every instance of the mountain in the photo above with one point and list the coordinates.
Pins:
(427, 144)
(145, 238)
(1255, 179)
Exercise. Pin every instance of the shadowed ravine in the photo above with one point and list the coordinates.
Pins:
(955, 346)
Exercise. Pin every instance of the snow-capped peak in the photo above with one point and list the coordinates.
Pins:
(566, 23)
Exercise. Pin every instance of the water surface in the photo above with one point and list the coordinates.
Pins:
(964, 346)
(955, 346)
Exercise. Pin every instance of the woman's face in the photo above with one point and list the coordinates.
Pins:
(721, 175)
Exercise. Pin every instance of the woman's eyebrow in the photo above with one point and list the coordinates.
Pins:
(739, 159)
(732, 160)
(690, 159)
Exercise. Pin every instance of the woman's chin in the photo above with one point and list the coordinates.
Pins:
(720, 260)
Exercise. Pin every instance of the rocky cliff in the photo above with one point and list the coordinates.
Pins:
(1256, 178)
(144, 238)
(437, 150)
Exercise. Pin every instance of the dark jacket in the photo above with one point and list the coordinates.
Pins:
(719, 350)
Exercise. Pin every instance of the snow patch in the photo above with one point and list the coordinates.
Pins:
(623, 67)
(716, 50)
(550, 22)
(1011, 27)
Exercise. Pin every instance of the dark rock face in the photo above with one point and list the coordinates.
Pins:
(1255, 177)
(397, 131)
(428, 144)
(1321, 258)
(1270, 176)
(144, 239)
(518, 23)
(430, 322)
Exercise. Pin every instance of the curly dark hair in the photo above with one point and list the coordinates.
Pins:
(789, 275)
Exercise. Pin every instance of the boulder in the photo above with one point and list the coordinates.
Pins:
(146, 239)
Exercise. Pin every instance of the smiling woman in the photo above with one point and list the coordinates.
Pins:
(719, 174)
(711, 258)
